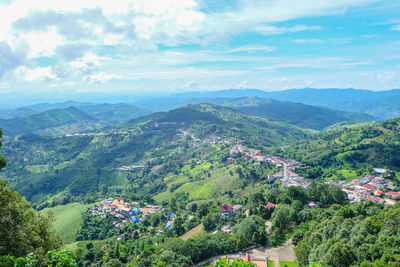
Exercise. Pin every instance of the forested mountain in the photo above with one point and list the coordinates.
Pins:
(68, 117)
(13, 113)
(379, 104)
(108, 114)
(40, 167)
(305, 116)
(50, 122)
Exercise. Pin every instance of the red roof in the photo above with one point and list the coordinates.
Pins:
(393, 195)
(227, 207)
(378, 193)
(371, 199)
(370, 187)
(271, 205)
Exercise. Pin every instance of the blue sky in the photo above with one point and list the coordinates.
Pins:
(147, 46)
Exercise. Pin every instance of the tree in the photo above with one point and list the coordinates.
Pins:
(280, 217)
(22, 229)
(61, 259)
(178, 226)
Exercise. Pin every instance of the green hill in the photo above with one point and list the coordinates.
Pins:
(48, 122)
(67, 219)
(356, 149)
(84, 165)
(305, 116)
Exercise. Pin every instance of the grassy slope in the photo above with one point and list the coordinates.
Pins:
(67, 219)
(219, 181)
(197, 230)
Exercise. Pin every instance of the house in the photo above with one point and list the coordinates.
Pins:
(380, 171)
(226, 229)
(378, 193)
(270, 206)
(135, 219)
(369, 187)
(227, 210)
(312, 204)
(393, 195)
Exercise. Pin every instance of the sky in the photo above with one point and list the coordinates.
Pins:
(164, 46)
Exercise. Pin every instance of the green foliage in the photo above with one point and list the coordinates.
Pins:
(23, 230)
(304, 116)
(10, 261)
(95, 228)
(48, 119)
(212, 220)
(250, 230)
(61, 259)
(351, 235)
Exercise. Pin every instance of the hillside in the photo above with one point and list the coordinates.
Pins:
(88, 164)
(49, 122)
(351, 151)
(382, 105)
(305, 116)
(107, 114)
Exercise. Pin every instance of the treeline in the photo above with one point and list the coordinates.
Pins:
(358, 234)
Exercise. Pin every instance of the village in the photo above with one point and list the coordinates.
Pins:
(125, 212)
(369, 188)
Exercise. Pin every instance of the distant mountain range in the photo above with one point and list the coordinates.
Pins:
(67, 117)
(74, 117)
(381, 105)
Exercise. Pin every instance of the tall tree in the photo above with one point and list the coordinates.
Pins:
(22, 229)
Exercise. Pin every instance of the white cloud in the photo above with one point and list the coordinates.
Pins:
(270, 30)
(35, 75)
(385, 76)
(251, 49)
(100, 77)
(396, 28)
(308, 41)
(243, 85)
(87, 64)
(192, 84)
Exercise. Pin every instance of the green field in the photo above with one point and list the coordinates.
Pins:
(288, 263)
(270, 263)
(67, 219)
(197, 230)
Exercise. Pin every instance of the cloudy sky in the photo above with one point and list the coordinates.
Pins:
(54, 46)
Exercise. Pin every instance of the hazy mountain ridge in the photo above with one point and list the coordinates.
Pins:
(46, 121)
(380, 104)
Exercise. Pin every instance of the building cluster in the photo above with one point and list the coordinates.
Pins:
(287, 176)
(369, 188)
(253, 154)
(129, 132)
(123, 212)
(130, 167)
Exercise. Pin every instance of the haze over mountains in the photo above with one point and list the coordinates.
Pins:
(74, 117)
(379, 104)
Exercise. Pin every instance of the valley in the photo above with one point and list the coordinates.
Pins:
(204, 180)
